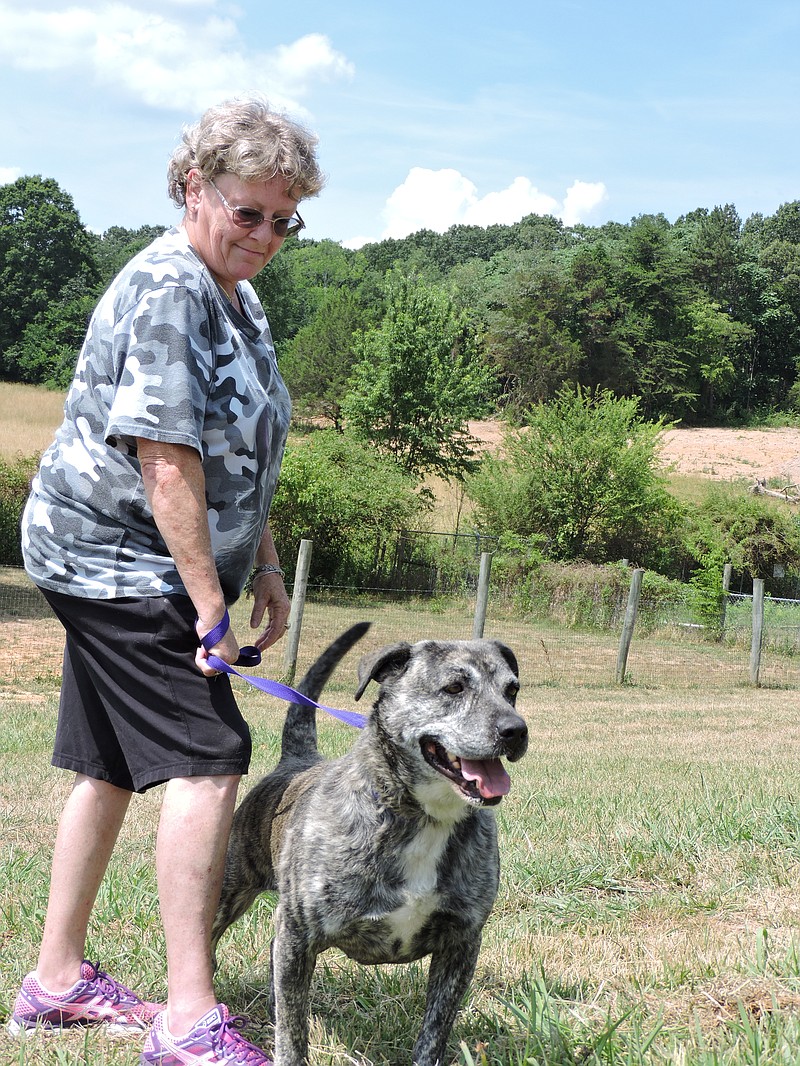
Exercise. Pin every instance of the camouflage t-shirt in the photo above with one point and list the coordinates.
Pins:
(166, 358)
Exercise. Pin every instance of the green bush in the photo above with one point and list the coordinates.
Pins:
(755, 534)
(585, 596)
(582, 475)
(345, 498)
(15, 479)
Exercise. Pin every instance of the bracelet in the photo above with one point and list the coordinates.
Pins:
(266, 568)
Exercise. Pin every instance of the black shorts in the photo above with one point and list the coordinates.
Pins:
(135, 709)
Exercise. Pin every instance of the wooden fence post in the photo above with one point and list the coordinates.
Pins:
(758, 629)
(627, 626)
(479, 621)
(727, 570)
(296, 612)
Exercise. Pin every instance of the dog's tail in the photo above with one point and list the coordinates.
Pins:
(300, 727)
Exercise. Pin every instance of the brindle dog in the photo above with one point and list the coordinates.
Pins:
(390, 852)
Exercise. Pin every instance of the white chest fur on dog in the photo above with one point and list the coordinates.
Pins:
(419, 863)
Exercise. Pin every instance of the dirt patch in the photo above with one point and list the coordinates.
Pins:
(720, 454)
(731, 454)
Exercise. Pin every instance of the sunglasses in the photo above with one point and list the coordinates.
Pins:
(249, 218)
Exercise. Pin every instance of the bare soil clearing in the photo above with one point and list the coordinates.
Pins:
(30, 415)
(721, 454)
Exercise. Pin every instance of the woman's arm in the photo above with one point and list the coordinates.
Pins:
(174, 483)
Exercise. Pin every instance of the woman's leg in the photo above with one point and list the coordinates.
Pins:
(195, 823)
(87, 832)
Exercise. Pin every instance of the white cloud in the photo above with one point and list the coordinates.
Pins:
(428, 199)
(181, 60)
(510, 205)
(438, 199)
(582, 197)
(9, 175)
(354, 243)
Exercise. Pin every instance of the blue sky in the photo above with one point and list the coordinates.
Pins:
(428, 114)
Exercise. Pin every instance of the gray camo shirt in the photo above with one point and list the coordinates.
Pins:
(167, 358)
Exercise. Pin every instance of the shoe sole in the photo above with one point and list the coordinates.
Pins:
(22, 1029)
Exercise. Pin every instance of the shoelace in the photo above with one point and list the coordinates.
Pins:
(111, 988)
(229, 1042)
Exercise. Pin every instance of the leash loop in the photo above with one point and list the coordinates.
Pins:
(251, 656)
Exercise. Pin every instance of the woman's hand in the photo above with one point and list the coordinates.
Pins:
(269, 597)
(227, 648)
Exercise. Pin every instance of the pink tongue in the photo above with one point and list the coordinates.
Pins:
(490, 775)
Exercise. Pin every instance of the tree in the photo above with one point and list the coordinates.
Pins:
(277, 290)
(654, 282)
(527, 332)
(716, 341)
(714, 251)
(784, 225)
(599, 317)
(317, 362)
(581, 475)
(418, 380)
(769, 370)
(44, 247)
(48, 349)
(119, 245)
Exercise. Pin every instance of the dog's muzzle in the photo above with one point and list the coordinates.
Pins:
(480, 781)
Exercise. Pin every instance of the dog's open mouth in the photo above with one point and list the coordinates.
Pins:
(479, 780)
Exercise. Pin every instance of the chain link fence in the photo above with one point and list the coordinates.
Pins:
(669, 648)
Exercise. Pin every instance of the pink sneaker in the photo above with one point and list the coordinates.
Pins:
(95, 999)
(214, 1039)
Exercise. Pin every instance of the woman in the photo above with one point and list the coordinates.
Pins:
(146, 518)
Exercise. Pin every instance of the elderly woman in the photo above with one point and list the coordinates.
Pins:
(147, 516)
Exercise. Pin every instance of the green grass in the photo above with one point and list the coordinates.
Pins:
(648, 909)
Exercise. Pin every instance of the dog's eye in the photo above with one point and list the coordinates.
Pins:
(511, 690)
(453, 688)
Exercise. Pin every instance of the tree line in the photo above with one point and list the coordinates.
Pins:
(588, 340)
(699, 318)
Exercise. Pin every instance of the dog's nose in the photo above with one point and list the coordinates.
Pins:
(513, 733)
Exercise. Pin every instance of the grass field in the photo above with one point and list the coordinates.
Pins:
(649, 902)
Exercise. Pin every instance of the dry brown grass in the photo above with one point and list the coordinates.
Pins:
(29, 416)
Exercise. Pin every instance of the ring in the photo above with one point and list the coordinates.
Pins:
(287, 625)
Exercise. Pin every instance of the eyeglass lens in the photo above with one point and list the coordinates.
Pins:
(249, 218)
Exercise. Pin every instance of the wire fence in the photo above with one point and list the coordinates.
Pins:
(669, 649)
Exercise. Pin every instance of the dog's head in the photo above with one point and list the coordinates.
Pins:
(449, 708)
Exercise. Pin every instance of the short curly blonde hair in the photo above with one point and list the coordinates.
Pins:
(246, 138)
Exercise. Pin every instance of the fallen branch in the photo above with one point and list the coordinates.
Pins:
(760, 489)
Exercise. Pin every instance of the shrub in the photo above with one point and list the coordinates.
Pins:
(754, 534)
(346, 499)
(584, 596)
(15, 479)
(582, 475)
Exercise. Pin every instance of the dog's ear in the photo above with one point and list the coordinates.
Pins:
(508, 655)
(379, 664)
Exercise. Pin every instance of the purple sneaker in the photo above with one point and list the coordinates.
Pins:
(95, 999)
(214, 1039)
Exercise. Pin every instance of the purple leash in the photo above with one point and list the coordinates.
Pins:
(251, 656)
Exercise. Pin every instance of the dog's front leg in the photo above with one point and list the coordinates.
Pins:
(452, 966)
(293, 962)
